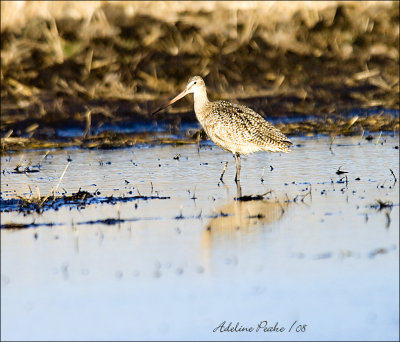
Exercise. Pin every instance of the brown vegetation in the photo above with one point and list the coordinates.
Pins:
(307, 65)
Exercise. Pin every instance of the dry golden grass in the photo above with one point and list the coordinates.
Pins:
(15, 14)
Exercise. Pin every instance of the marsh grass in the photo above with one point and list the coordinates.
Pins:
(83, 64)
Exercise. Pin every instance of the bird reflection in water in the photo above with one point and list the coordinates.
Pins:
(243, 215)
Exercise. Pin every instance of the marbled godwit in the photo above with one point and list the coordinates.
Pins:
(235, 128)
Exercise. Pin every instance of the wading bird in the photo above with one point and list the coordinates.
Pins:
(235, 128)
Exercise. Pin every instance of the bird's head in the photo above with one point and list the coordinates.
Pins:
(194, 84)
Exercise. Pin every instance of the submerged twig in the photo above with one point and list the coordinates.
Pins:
(45, 155)
(223, 172)
(377, 140)
(394, 176)
(62, 176)
(307, 194)
(330, 144)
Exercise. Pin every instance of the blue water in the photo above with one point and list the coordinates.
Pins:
(177, 269)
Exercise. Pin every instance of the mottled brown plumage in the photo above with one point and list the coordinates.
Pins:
(233, 127)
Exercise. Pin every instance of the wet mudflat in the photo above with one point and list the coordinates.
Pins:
(149, 244)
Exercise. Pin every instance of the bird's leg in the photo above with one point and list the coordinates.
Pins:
(238, 190)
(237, 159)
(198, 142)
(223, 172)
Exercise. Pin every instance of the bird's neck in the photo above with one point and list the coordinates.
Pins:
(200, 102)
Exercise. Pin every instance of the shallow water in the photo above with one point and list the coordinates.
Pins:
(177, 268)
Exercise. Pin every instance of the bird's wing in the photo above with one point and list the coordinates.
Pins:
(251, 126)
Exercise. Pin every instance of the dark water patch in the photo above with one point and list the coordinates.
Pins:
(379, 205)
(26, 169)
(108, 221)
(326, 255)
(201, 216)
(114, 221)
(80, 200)
(246, 198)
(345, 254)
(17, 226)
(381, 251)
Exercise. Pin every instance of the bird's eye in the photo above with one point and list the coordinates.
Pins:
(194, 82)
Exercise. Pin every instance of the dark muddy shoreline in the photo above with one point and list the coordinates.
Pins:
(191, 133)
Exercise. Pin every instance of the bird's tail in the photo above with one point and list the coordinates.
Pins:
(279, 146)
